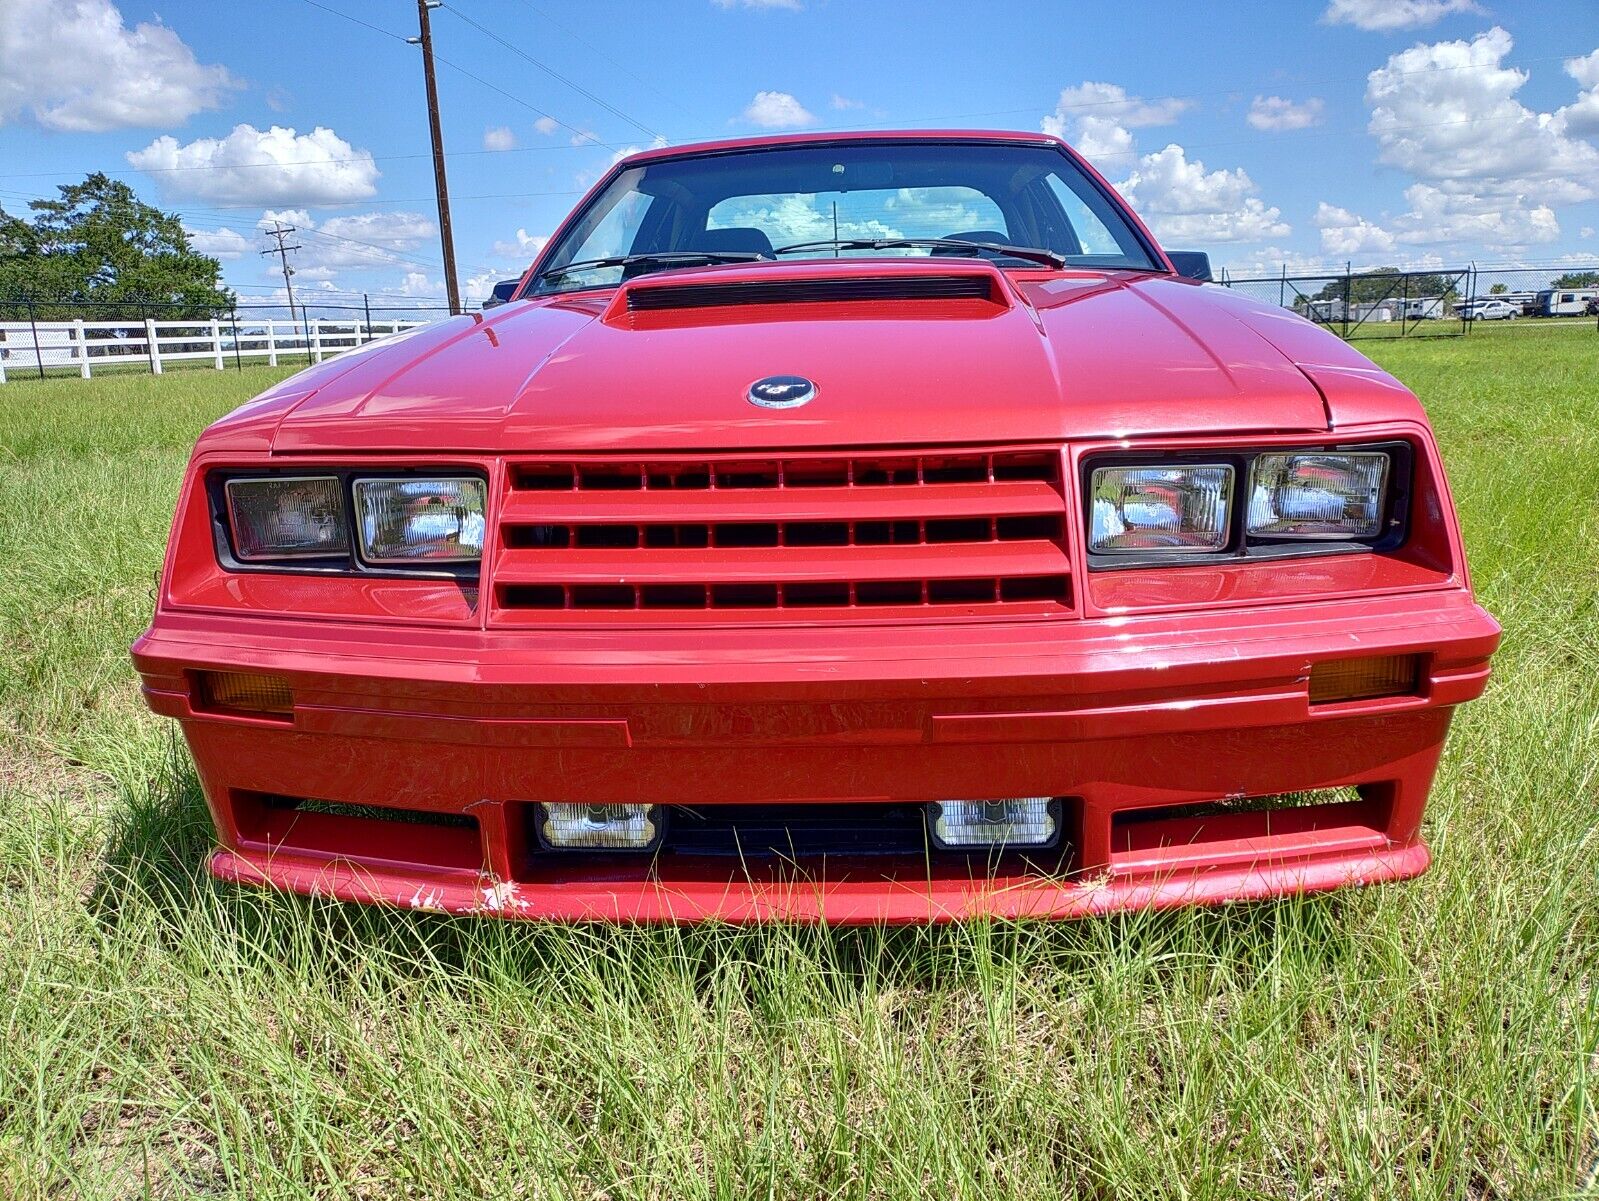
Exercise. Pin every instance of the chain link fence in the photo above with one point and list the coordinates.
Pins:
(44, 336)
(1441, 302)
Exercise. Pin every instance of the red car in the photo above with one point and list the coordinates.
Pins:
(855, 528)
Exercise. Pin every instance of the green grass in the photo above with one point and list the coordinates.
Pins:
(167, 1037)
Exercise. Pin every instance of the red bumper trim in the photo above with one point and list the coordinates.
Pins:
(864, 901)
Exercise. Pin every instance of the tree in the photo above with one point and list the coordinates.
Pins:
(1577, 279)
(100, 243)
(1498, 289)
(1386, 283)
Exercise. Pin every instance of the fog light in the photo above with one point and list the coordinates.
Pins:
(1335, 680)
(245, 693)
(565, 826)
(1032, 821)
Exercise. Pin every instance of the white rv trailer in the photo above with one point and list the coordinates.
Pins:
(1565, 302)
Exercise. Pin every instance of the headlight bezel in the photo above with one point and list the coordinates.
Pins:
(349, 562)
(1242, 546)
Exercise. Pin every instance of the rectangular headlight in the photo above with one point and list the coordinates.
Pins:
(1014, 822)
(287, 517)
(1182, 507)
(1318, 494)
(567, 826)
(408, 519)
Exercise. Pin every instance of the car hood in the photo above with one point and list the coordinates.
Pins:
(1045, 357)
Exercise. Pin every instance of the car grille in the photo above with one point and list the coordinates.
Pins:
(801, 536)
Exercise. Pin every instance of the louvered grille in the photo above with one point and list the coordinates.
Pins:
(804, 534)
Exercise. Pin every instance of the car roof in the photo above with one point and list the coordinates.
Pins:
(691, 149)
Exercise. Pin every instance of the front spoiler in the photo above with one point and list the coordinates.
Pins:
(901, 901)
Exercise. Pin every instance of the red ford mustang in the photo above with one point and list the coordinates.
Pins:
(849, 528)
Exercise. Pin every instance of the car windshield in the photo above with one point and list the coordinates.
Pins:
(846, 200)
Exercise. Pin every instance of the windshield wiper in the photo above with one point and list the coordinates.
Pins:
(1035, 254)
(660, 256)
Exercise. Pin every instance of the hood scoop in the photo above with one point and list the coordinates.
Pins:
(773, 292)
(811, 291)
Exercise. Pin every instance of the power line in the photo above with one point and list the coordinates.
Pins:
(554, 74)
(600, 53)
(582, 133)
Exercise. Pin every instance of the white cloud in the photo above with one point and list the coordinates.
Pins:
(1585, 232)
(417, 283)
(1277, 113)
(1381, 16)
(546, 125)
(298, 218)
(499, 137)
(1097, 118)
(1447, 114)
(777, 110)
(1346, 233)
(350, 242)
(476, 288)
(1269, 260)
(1185, 203)
(394, 230)
(844, 102)
(275, 166)
(75, 66)
(222, 243)
(623, 152)
(523, 248)
(584, 137)
(1582, 117)
(1439, 218)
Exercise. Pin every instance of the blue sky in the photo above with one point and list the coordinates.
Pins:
(1422, 132)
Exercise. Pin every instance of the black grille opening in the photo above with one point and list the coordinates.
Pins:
(816, 595)
(750, 533)
(609, 479)
(603, 596)
(1034, 527)
(959, 529)
(533, 596)
(818, 533)
(601, 536)
(958, 592)
(811, 291)
(415, 817)
(1035, 588)
(744, 596)
(672, 596)
(888, 592)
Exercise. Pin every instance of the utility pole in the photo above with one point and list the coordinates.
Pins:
(446, 237)
(281, 231)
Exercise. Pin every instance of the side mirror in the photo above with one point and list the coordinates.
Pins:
(502, 292)
(1191, 264)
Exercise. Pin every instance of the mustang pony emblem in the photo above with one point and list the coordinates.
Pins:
(781, 392)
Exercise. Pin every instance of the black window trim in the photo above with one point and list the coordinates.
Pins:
(1135, 227)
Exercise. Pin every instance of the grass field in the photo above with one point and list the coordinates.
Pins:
(170, 1038)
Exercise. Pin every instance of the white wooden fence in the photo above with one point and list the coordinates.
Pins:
(89, 346)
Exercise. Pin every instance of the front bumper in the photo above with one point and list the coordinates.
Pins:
(1122, 717)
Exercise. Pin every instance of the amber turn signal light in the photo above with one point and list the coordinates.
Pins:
(245, 693)
(1335, 680)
